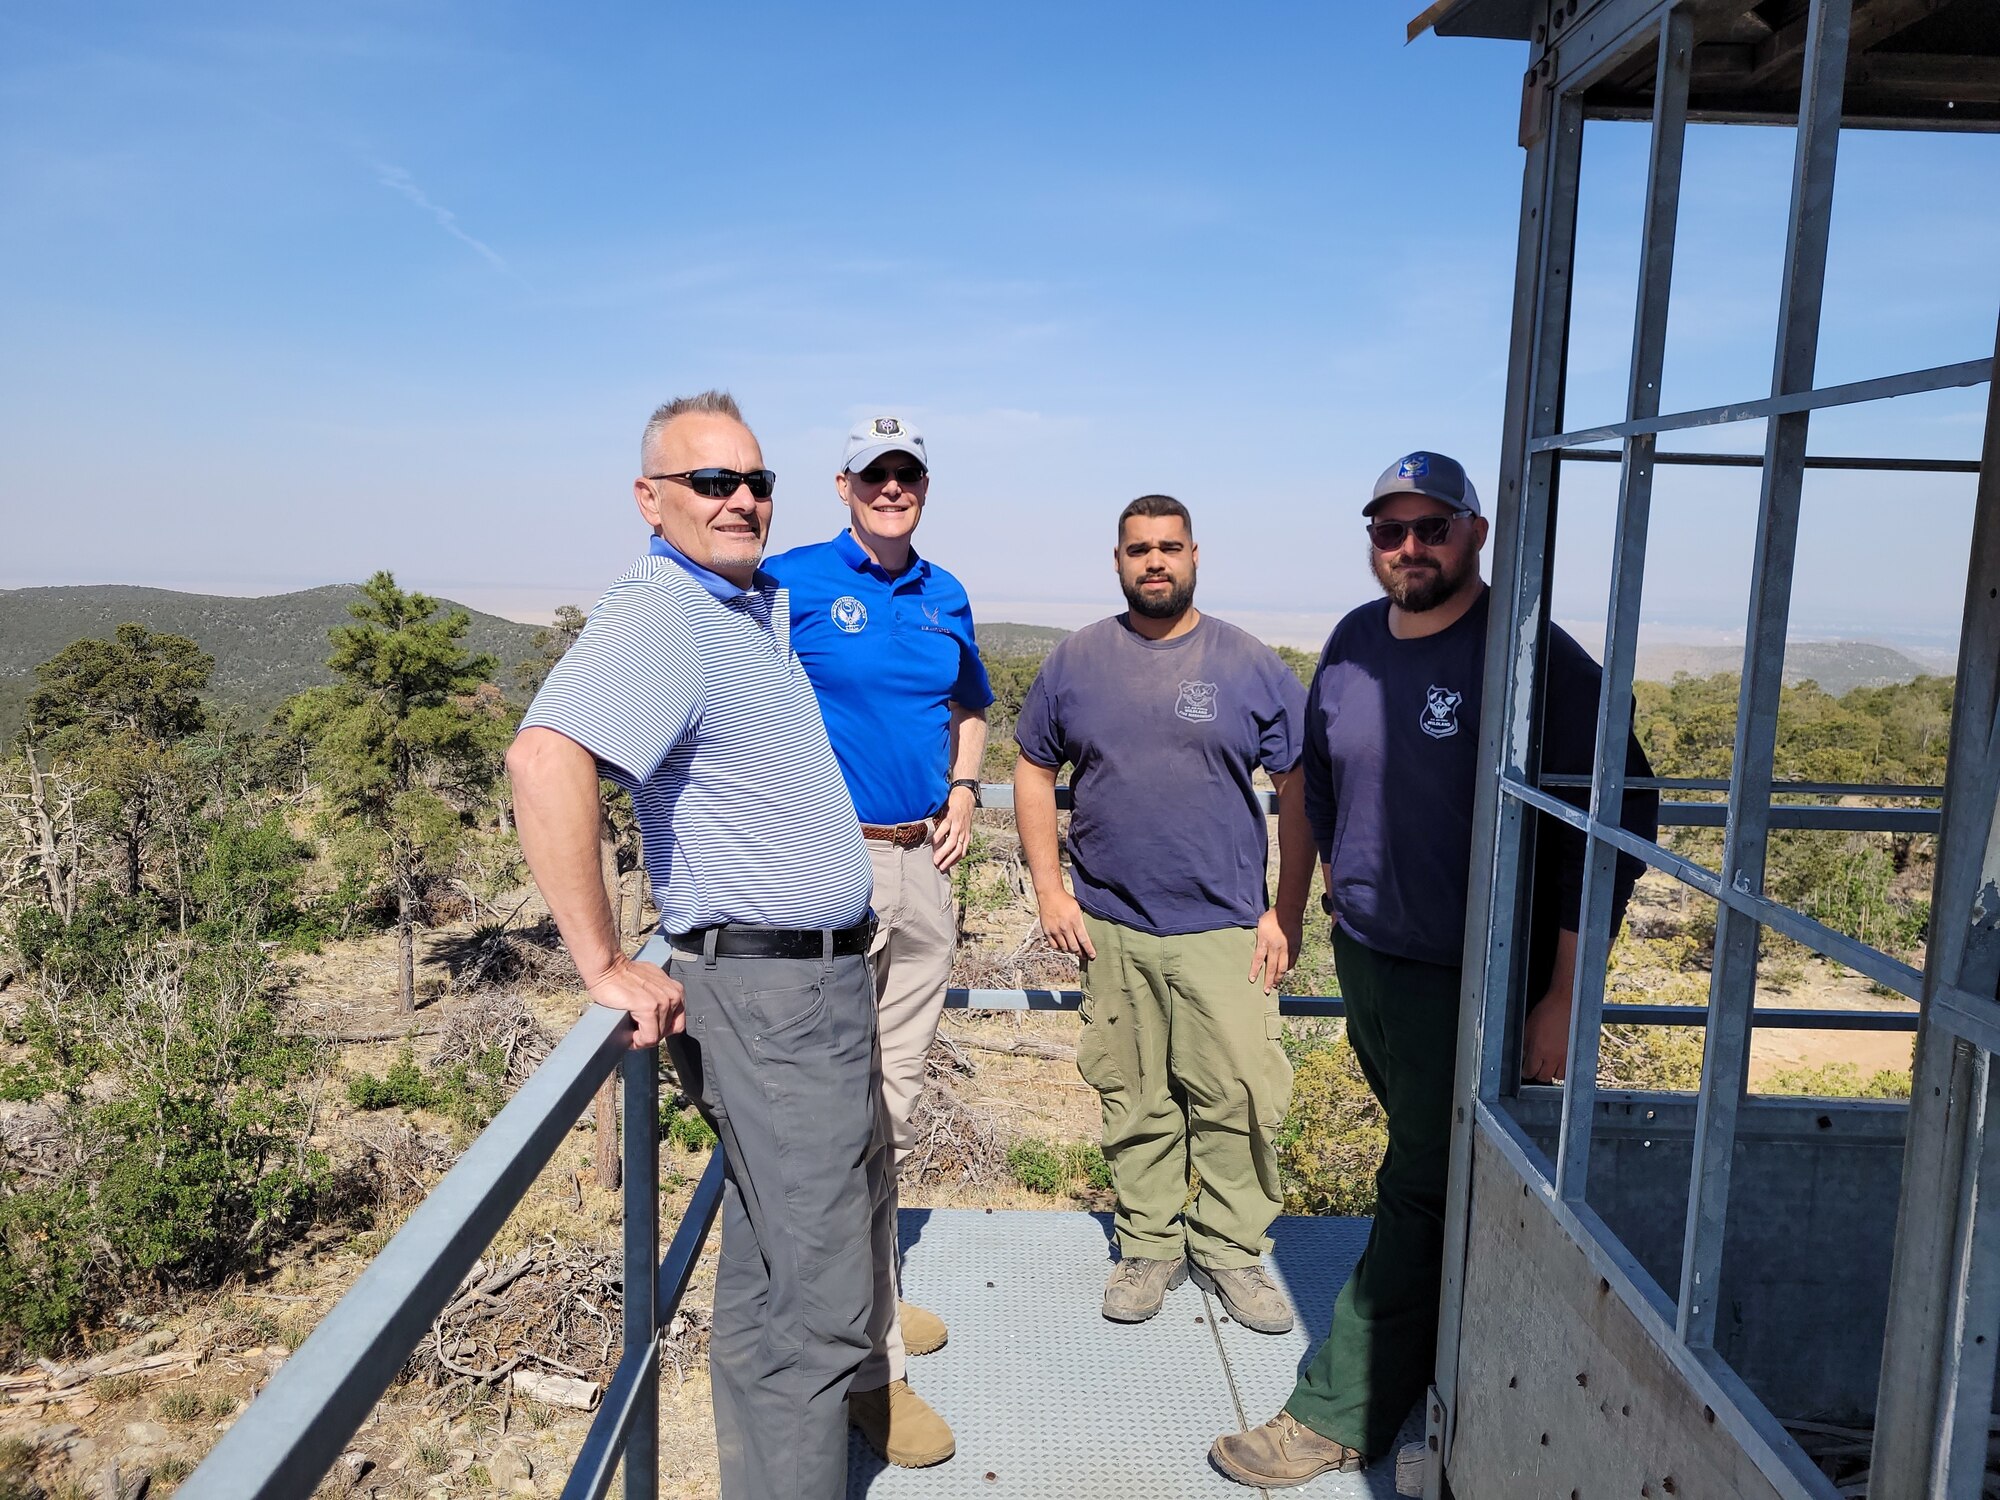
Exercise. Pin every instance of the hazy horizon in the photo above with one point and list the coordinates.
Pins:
(1302, 627)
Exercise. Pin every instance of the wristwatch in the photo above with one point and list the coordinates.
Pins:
(966, 781)
(1326, 902)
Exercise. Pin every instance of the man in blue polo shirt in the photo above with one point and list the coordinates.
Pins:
(886, 637)
(684, 689)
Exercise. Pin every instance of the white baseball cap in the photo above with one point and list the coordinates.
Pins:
(876, 436)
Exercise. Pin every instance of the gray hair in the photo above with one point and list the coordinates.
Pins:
(709, 403)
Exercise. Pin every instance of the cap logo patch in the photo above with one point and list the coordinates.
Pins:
(1416, 466)
(1196, 703)
(1440, 720)
(888, 427)
(850, 615)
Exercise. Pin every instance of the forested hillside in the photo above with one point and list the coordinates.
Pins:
(265, 649)
(176, 886)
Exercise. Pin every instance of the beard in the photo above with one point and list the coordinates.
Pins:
(1173, 603)
(1423, 587)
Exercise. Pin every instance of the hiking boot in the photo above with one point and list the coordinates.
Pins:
(900, 1425)
(1138, 1286)
(923, 1331)
(1281, 1453)
(1252, 1298)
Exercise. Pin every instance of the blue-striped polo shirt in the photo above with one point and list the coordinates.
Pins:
(889, 654)
(687, 691)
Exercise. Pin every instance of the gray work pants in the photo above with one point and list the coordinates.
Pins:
(780, 1055)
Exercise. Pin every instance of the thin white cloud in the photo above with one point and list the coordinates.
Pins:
(399, 181)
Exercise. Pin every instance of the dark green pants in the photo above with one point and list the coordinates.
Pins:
(1402, 1019)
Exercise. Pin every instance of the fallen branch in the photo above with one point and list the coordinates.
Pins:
(1022, 1047)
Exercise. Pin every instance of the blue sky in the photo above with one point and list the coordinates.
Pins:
(292, 295)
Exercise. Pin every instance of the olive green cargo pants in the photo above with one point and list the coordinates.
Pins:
(1182, 1048)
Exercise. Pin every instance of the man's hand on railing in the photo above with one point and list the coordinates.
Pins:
(646, 991)
(1062, 924)
(1277, 946)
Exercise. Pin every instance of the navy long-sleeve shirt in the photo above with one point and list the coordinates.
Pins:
(1391, 753)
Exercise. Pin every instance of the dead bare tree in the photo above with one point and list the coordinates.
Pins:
(44, 852)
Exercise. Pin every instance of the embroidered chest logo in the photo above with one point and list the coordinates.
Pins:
(849, 615)
(1196, 703)
(936, 616)
(1440, 719)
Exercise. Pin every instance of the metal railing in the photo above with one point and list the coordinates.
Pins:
(295, 1429)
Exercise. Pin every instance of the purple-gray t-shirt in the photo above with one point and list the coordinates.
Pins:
(1167, 833)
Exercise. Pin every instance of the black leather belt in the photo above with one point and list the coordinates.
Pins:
(734, 940)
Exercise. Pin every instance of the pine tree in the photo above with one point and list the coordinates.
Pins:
(115, 711)
(406, 743)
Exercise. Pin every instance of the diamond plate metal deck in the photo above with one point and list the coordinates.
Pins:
(1051, 1402)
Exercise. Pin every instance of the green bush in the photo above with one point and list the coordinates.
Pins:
(175, 1085)
(1839, 1080)
(402, 1087)
(1084, 1160)
(1334, 1135)
(46, 1271)
(468, 1094)
(685, 1127)
(1037, 1165)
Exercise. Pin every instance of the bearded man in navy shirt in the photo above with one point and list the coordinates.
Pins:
(1165, 715)
(1392, 734)
(886, 637)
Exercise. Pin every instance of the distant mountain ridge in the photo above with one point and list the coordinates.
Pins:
(1837, 666)
(265, 649)
(268, 648)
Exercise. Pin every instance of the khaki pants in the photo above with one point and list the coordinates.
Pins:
(916, 927)
(1182, 1048)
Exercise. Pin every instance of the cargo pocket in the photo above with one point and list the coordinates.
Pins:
(1275, 1098)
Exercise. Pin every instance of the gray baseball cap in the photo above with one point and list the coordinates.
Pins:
(876, 436)
(1425, 473)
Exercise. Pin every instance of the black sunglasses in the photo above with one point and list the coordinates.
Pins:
(877, 474)
(719, 484)
(1430, 530)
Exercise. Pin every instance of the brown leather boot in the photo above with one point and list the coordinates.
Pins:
(923, 1331)
(900, 1425)
(1281, 1453)
(1253, 1299)
(1137, 1286)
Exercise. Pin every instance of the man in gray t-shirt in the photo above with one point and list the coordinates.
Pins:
(1166, 715)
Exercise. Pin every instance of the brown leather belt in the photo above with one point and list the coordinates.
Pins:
(902, 835)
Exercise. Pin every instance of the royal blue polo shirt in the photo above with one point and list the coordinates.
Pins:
(888, 656)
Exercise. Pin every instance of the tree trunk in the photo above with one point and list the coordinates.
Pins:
(609, 1164)
(406, 951)
(132, 859)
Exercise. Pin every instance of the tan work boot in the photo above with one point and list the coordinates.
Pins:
(923, 1331)
(1138, 1286)
(1252, 1298)
(900, 1425)
(1281, 1453)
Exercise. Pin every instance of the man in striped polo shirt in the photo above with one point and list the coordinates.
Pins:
(886, 637)
(684, 689)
